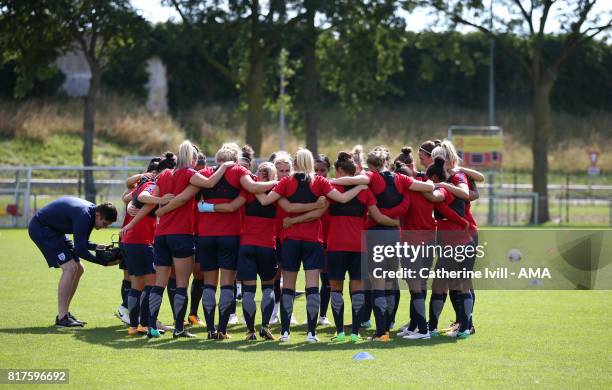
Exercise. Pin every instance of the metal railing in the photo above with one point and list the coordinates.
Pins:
(27, 188)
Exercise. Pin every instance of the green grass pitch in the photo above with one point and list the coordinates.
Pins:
(547, 339)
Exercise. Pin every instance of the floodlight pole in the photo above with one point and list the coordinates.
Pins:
(281, 96)
(491, 71)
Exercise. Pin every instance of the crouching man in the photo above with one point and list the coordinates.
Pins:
(49, 230)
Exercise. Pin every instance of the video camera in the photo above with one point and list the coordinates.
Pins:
(111, 254)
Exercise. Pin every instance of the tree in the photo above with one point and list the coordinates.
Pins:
(351, 49)
(263, 27)
(40, 30)
(579, 25)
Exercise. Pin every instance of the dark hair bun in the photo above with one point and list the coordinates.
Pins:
(169, 156)
(344, 156)
(439, 162)
(406, 150)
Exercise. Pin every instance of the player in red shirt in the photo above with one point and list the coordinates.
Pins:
(461, 183)
(257, 257)
(174, 233)
(132, 183)
(219, 237)
(197, 284)
(453, 231)
(322, 166)
(344, 247)
(302, 243)
(284, 167)
(418, 228)
(390, 190)
(136, 239)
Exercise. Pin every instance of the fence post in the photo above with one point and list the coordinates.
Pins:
(535, 211)
(16, 196)
(567, 198)
(26, 199)
(491, 213)
(79, 183)
(514, 200)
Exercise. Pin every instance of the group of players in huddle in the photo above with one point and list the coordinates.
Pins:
(224, 224)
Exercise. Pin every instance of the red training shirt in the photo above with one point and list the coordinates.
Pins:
(308, 231)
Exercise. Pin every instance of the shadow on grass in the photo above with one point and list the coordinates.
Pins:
(116, 337)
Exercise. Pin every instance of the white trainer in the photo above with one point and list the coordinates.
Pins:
(406, 331)
(417, 336)
(284, 337)
(274, 318)
(312, 338)
(294, 320)
(123, 314)
(233, 319)
(324, 321)
(163, 327)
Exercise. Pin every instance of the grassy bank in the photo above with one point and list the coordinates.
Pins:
(50, 131)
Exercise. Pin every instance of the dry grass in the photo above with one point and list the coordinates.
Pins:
(126, 121)
(122, 119)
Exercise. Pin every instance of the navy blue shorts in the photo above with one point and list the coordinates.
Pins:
(216, 252)
(256, 260)
(56, 247)
(123, 262)
(380, 236)
(138, 258)
(295, 252)
(339, 262)
(172, 245)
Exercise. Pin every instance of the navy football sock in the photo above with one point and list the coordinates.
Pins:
(367, 306)
(126, 285)
(267, 303)
(466, 304)
(171, 290)
(144, 305)
(390, 297)
(197, 289)
(379, 307)
(209, 302)
(277, 291)
(286, 309)
(436, 304)
(180, 308)
(155, 300)
(133, 306)
(418, 302)
(412, 325)
(226, 300)
(473, 303)
(453, 295)
(313, 303)
(337, 304)
(397, 295)
(358, 302)
(249, 308)
(324, 292)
